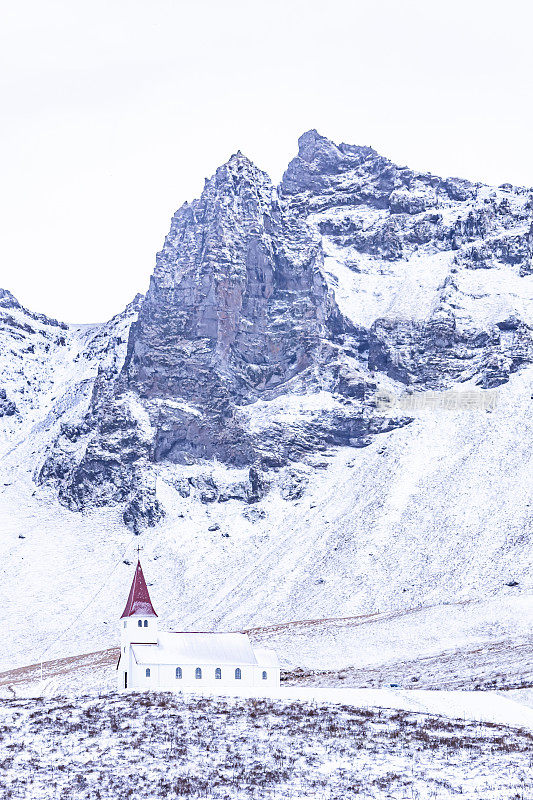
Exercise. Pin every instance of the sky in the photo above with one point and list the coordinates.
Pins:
(113, 112)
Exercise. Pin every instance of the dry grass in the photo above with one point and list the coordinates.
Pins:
(162, 745)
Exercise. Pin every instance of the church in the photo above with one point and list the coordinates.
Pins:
(221, 663)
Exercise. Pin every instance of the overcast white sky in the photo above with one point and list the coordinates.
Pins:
(114, 111)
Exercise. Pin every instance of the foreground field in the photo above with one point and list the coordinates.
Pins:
(163, 745)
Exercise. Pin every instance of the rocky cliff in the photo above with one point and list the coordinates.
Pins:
(304, 290)
(387, 224)
(321, 407)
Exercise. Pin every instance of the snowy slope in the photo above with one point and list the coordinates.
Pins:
(356, 542)
(48, 369)
(429, 312)
(159, 745)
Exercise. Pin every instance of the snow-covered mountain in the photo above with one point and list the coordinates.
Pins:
(320, 408)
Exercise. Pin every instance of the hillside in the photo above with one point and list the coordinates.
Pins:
(321, 408)
(170, 745)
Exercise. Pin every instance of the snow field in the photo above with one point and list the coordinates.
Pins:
(162, 745)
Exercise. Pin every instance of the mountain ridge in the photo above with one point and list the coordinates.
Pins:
(319, 381)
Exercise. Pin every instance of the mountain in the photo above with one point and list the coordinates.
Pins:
(320, 408)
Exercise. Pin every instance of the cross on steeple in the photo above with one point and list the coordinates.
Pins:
(139, 548)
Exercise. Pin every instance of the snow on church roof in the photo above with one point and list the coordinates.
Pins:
(139, 602)
(197, 649)
(266, 658)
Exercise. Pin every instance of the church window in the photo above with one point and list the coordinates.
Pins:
(140, 623)
(147, 672)
(179, 673)
(264, 675)
(218, 674)
(198, 673)
(145, 623)
(125, 623)
(238, 674)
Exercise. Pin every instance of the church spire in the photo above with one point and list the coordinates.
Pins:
(139, 603)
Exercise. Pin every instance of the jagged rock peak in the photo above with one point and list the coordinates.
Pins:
(239, 159)
(326, 175)
(318, 158)
(233, 274)
(313, 147)
(240, 176)
(7, 300)
(238, 169)
(237, 193)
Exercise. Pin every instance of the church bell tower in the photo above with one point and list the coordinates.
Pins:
(139, 620)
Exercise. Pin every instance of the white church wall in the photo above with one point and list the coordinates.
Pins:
(131, 631)
(139, 679)
(163, 677)
(272, 676)
(227, 675)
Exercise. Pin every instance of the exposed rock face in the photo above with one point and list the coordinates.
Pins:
(237, 310)
(7, 300)
(370, 212)
(434, 353)
(237, 307)
(273, 315)
(7, 406)
(29, 344)
(237, 303)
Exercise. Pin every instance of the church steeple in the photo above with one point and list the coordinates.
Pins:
(139, 603)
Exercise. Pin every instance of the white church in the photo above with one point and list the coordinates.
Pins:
(222, 663)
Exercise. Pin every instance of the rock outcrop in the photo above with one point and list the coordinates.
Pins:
(237, 307)
(273, 315)
(7, 406)
(371, 213)
(7, 300)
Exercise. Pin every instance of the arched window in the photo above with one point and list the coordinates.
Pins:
(147, 672)
(218, 674)
(238, 674)
(125, 623)
(140, 623)
(198, 673)
(264, 675)
(179, 673)
(145, 623)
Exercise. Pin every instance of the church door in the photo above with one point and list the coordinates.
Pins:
(125, 680)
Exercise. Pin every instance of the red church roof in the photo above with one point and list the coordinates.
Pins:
(139, 603)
